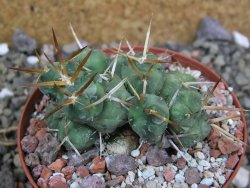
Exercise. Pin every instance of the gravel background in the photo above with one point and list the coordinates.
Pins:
(214, 46)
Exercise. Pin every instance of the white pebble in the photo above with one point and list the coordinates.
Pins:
(65, 157)
(194, 185)
(204, 163)
(221, 180)
(193, 163)
(148, 172)
(139, 173)
(32, 60)
(241, 39)
(198, 145)
(57, 174)
(212, 159)
(5, 92)
(74, 185)
(200, 168)
(196, 73)
(131, 176)
(135, 153)
(208, 174)
(179, 178)
(4, 49)
(152, 177)
(74, 176)
(123, 185)
(200, 155)
(207, 181)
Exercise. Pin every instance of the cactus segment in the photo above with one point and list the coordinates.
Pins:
(97, 62)
(174, 81)
(81, 136)
(146, 126)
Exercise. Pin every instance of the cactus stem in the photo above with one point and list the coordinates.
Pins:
(52, 63)
(226, 108)
(131, 50)
(215, 120)
(75, 36)
(226, 134)
(84, 61)
(178, 150)
(161, 117)
(85, 86)
(61, 90)
(173, 98)
(28, 70)
(108, 95)
(179, 135)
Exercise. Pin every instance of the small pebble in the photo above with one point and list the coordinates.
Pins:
(4, 49)
(32, 60)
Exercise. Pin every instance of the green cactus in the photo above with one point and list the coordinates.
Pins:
(96, 93)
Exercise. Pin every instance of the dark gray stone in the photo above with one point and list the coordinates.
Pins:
(211, 29)
(24, 43)
(32, 160)
(157, 156)
(120, 164)
(29, 144)
(192, 175)
(85, 158)
(47, 149)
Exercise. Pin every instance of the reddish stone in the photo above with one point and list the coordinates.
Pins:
(232, 161)
(203, 186)
(58, 165)
(46, 173)
(107, 175)
(240, 126)
(40, 134)
(214, 143)
(215, 153)
(42, 183)
(228, 174)
(57, 182)
(233, 114)
(82, 171)
(115, 181)
(68, 170)
(98, 165)
(227, 146)
(32, 127)
(214, 134)
(240, 151)
(169, 174)
(239, 134)
(181, 163)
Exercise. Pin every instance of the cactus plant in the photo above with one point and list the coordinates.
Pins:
(94, 92)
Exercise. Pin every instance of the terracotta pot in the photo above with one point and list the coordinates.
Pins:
(185, 61)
